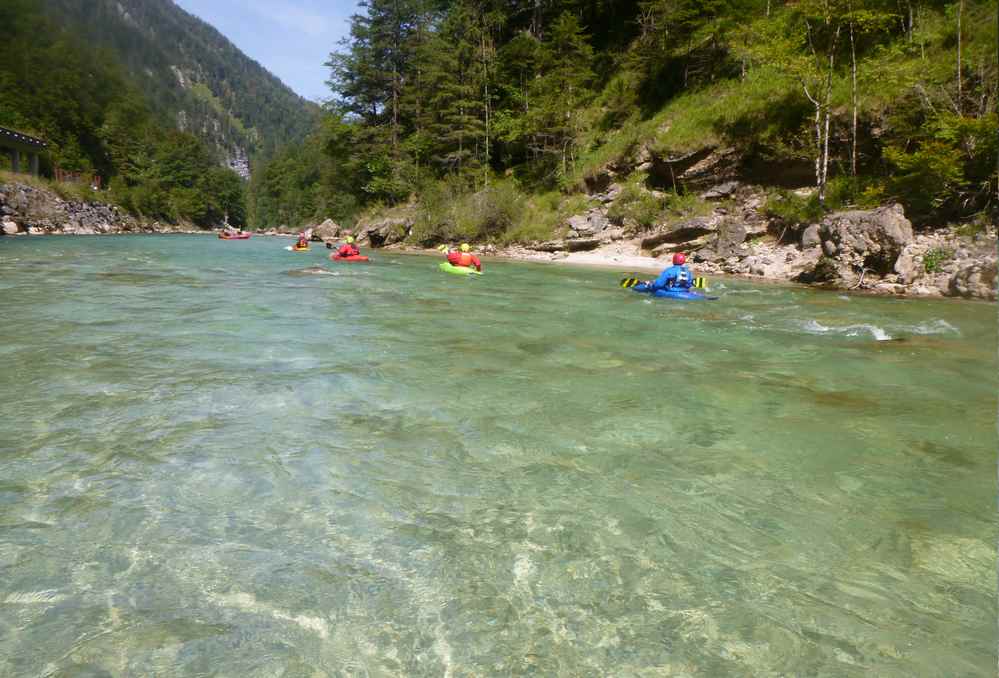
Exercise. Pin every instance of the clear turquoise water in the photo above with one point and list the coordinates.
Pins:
(212, 465)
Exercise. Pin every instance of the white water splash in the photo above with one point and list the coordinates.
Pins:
(815, 327)
(938, 326)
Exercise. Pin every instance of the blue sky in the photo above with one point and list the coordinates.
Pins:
(290, 38)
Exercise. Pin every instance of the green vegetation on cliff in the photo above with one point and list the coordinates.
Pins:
(867, 101)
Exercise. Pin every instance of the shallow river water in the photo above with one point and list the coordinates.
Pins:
(214, 462)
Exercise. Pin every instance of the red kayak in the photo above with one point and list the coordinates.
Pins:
(356, 257)
(241, 236)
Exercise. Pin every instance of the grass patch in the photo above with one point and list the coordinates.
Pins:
(67, 191)
(448, 211)
(636, 205)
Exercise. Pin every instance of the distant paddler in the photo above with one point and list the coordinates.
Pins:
(347, 252)
(303, 241)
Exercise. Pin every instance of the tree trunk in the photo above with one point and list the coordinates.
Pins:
(485, 73)
(395, 83)
(818, 143)
(853, 69)
(960, 10)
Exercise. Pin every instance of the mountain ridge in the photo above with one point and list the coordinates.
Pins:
(193, 75)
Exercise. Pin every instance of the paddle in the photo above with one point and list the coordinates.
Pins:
(699, 283)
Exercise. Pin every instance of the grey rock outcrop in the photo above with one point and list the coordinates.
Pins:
(860, 240)
(729, 242)
(682, 231)
(587, 225)
(38, 211)
(385, 231)
(721, 191)
(974, 281)
(328, 230)
(810, 237)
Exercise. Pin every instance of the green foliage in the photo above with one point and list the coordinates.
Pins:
(540, 221)
(980, 223)
(434, 99)
(933, 259)
(793, 209)
(928, 178)
(637, 205)
(449, 211)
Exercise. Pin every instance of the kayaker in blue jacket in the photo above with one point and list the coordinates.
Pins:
(677, 276)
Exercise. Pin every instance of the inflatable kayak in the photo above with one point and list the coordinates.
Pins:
(458, 270)
(356, 257)
(686, 295)
(241, 236)
(295, 248)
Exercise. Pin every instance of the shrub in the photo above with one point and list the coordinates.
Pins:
(636, 204)
(489, 213)
(793, 209)
(934, 258)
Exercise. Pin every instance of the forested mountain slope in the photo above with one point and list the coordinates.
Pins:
(492, 115)
(97, 121)
(193, 74)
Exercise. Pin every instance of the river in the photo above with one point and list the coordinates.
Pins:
(214, 461)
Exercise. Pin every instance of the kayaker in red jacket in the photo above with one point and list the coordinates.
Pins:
(349, 249)
(464, 258)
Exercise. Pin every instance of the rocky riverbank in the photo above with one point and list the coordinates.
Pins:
(875, 251)
(26, 209)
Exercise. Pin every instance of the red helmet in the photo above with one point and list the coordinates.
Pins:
(679, 259)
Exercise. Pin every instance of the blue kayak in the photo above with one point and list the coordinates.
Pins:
(686, 295)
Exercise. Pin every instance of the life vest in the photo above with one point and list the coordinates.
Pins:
(682, 278)
(465, 259)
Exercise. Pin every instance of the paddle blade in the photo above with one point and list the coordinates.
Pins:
(701, 283)
(629, 282)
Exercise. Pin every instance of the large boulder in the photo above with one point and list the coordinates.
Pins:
(810, 237)
(568, 245)
(729, 241)
(682, 231)
(9, 228)
(328, 230)
(697, 170)
(976, 280)
(859, 240)
(721, 191)
(384, 231)
(587, 225)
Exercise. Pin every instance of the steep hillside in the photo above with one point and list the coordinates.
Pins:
(850, 103)
(96, 121)
(193, 74)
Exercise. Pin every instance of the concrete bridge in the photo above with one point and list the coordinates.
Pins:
(17, 144)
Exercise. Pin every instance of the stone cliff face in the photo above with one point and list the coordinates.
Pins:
(27, 209)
